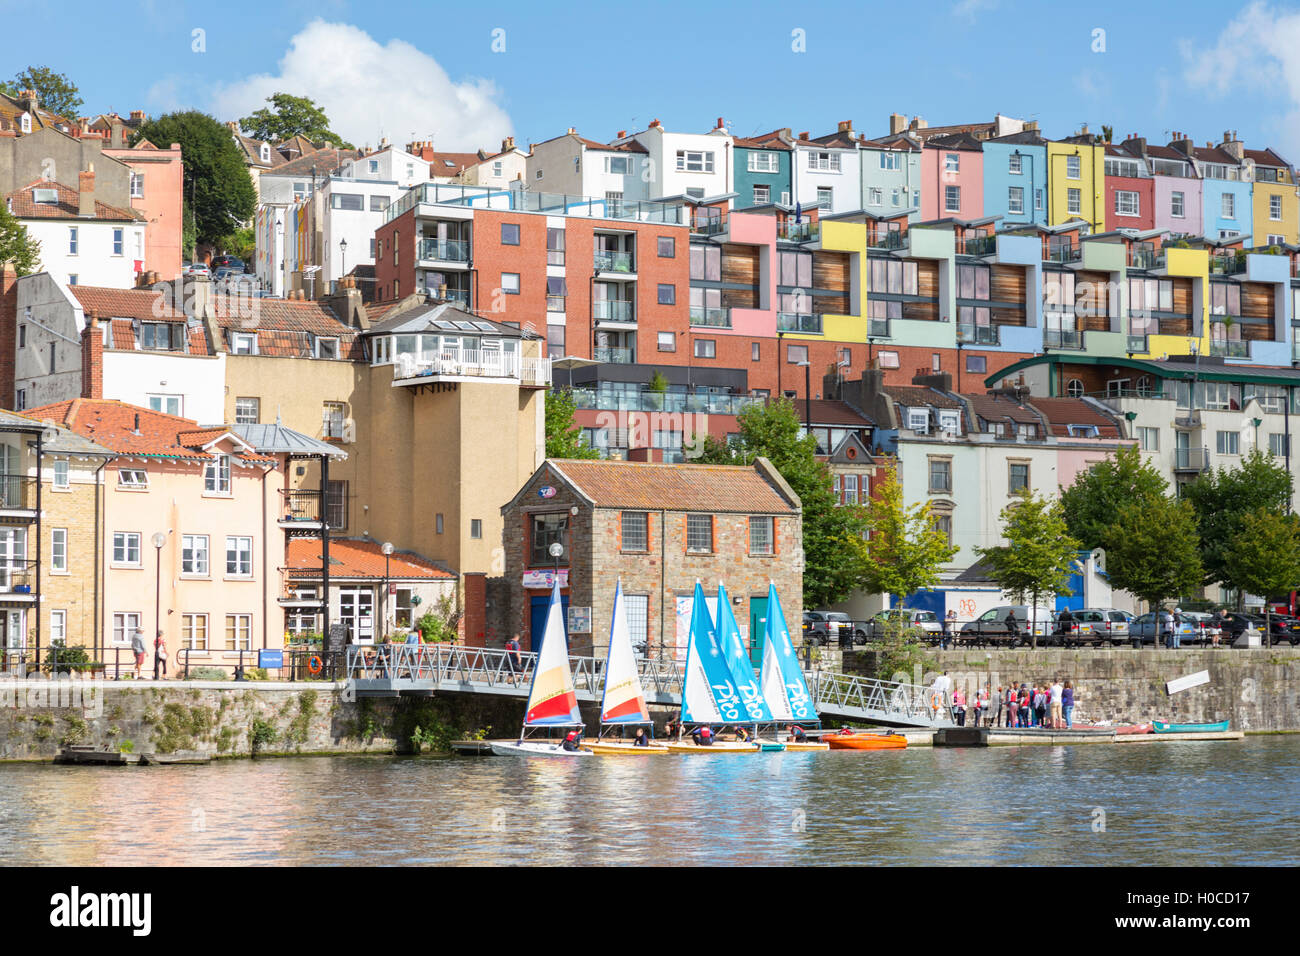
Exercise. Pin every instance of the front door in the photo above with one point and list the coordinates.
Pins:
(537, 621)
(757, 629)
(357, 611)
(13, 632)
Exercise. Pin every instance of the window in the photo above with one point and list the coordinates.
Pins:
(538, 174)
(126, 548)
(22, 336)
(194, 631)
(133, 479)
(667, 294)
(1275, 240)
(824, 162)
(618, 165)
(1038, 200)
(326, 347)
(918, 420)
(706, 348)
(875, 196)
(760, 534)
(510, 234)
(549, 529)
(850, 489)
(796, 269)
(635, 531)
(299, 192)
(825, 196)
(667, 247)
(162, 336)
(61, 469)
(1228, 204)
(1278, 444)
(1017, 477)
(1148, 438)
(437, 523)
(941, 476)
(510, 283)
(943, 524)
(351, 202)
(243, 343)
(59, 550)
(694, 161)
(1074, 388)
(888, 359)
(194, 554)
(763, 162)
(1227, 443)
(1072, 167)
(248, 411)
(1014, 164)
(137, 185)
(20, 399)
(796, 354)
(889, 160)
(216, 476)
(952, 198)
(1015, 199)
(699, 534)
(555, 341)
(706, 263)
(1127, 203)
(754, 351)
(1074, 200)
(555, 247)
(1177, 205)
(762, 195)
(667, 341)
(239, 632)
(333, 416)
(556, 293)
(124, 625)
(952, 162)
(976, 364)
(476, 527)
(239, 557)
(336, 505)
(1274, 207)
(895, 197)
(117, 241)
(58, 627)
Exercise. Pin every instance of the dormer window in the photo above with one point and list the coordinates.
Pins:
(327, 348)
(265, 153)
(243, 343)
(950, 422)
(918, 420)
(26, 122)
(216, 476)
(1083, 431)
(162, 336)
(45, 197)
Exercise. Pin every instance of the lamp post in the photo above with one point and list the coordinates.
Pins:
(387, 548)
(158, 539)
(343, 252)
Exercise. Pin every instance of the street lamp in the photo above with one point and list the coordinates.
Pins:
(343, 250)
(387, 548)
(158, 539)
(555, 550)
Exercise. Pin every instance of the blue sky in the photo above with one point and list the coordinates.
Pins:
(429, 70)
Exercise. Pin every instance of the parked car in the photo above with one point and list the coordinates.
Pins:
(847, 628)
(926, 621)
(816, 630)
(197, 269)
(1146, 628)
(991, 628)
(1091, 626)
(228, 262)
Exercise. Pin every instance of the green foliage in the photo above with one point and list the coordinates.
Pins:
(1222, 498)
(301, 724)
(217, 187)
(69, 659)
(241, 243)
(291, 116)
(76, 731)
(17, 248)
(181, 726)
(126, 747)
(1263, 557)
(1092, 503)
(54, 91)
(260, 734)
(438, 624)
(563, 437)
(189, 234)
(658, 383)
(256, 673)
(901, 649)
(906, 550)
(1155, 552)
(1039, 555)
(207, 673)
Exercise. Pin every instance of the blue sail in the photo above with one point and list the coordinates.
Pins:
(742, 671)
(708, 691)
(784, 687)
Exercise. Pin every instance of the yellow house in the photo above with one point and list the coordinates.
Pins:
(1076, 179)
(1275, 205)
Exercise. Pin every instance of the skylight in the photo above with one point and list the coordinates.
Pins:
(45, 197)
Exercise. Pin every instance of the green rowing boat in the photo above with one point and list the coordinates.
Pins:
(1163, 728)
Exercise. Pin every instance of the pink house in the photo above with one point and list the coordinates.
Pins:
(157, 192)
(952, 178)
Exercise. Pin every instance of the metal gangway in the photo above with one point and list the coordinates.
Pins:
(394, 670)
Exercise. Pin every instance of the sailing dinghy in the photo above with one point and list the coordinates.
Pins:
(552, 701)
(784, 689)
(742, 672)
(623, 704)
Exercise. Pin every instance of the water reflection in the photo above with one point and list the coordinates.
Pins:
(1231, 803)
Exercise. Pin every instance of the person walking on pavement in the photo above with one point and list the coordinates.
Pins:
(949, 623)
(512, 659)
(137, 648)
(1013, 627)
(1177, 632)
(1166, 628)
(159, 656)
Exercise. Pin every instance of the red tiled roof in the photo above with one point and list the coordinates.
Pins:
(285, 328)
(1212, 154)
(1063, 412)
(112, 424)
(124, 303)
(360, 558)
(1165, 152)
(24, 206)
(459, 162)
(644, 486)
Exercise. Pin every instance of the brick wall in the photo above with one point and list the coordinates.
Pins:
(92, 358)
(474, 622)
(74, 591)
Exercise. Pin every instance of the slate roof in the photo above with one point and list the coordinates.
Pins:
(687, 487)
(276, 439)
(992, 408)
(423, 319)
(827, 412)
(917, 396)
(360, 558)
(1060, 413)
(325, 161)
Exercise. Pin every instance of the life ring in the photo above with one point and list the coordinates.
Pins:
(315, 665)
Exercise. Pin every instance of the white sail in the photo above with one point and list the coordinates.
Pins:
(624, 699)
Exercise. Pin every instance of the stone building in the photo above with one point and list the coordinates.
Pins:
(658, 528)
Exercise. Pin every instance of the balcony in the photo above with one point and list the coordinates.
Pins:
(889, 240)
(18, 580)
(1227, 265)
(1064, 253)
(299, 598)
(1063, 339)
(1136, 343)
(17, 496)
(519, 200)
(616, 356)
(710, 318)
(613, 310)
(613, 261)
(798, 322)
(977, 246)
(1228, 348)
(977, 334)
(1192, 460)
(714, 403)
(411, 369)
(443, 250)
(708, 225)
(877, 328)
(459, 297)
(1145, 257)
(792, 231)
(300, 510)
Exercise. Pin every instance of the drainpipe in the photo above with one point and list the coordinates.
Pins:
(40, 541)
(1286, 428)
(663, 577)
(98, 531)
(266, 568)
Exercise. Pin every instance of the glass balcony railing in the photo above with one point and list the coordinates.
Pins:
(708, 225)
(520, 200)
(1063, 339)
(1191, 459)
(614, 261)
(877, 328)
(613, 310)
(1064, 253)
(1227, 265)
(648, 401)
(713, 318)
(798, 322)
(890, 240)
(444, 250)
(1144, 257)
(1230, 348)
(792, 231)
(977, 246)
(1136, 343)
(616, 355)
(977, 334)
(458, 296)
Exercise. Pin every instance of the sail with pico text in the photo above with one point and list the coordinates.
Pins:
(742, 671)
(552, 701)
(784, 687)
(708, 692)
(624, 700)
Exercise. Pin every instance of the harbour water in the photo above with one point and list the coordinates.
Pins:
(1229, 803)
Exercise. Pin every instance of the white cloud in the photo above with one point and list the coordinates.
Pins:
(369, 90)
(967, 9)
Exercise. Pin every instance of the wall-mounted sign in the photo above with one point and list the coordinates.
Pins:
(545, 579)
(546, 491)
(579, 620)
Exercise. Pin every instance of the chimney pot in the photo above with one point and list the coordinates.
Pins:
(720, 123)
(621, 134)
(572, 131)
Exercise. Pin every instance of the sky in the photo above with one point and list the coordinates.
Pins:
(465, 76)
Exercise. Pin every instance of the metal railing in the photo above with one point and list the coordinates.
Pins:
(1227, 265)
(1144, 257)
(616, 356)
(17, 576)
(799, 322)
(852, 695)
(299, 505)
(17, 492)
(613, 310)
(1191, 459)
(713, 318)
(715, 403)
(1063, 338)
(475, 363)
(1230, 348)
(444, 250)
(977, 334)
(535, 371)
(613, 261)
(521, 200)
(793, 231)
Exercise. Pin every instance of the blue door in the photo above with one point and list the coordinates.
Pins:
(537, 620)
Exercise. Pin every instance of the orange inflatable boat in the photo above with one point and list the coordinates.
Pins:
(865, 741)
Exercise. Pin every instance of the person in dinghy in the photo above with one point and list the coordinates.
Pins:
(572, 741)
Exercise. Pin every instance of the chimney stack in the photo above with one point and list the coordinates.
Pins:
(86, 192)
(1233, 146)
(897, 123)
(654, 123)
(721, 124)
(507, 144)
(846, 126)
(92, 357)
(28, 101)
(621, 133)
(805, 135)
(572, 131)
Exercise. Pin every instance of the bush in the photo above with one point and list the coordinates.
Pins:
(260, 733)
(207, 673)
(64, 660)
(438, 624)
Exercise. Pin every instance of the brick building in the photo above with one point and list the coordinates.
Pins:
(659, 528)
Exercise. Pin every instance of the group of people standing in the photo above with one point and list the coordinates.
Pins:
(1045, 706)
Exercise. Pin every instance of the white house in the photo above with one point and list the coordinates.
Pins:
(575, 166)
(685, 164)
(828, 171)
(497, 170)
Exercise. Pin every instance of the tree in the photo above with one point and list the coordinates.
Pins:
(1107, 133)
(54, 91)
(1091, 504)
(1263, 557)
(217, 186)
(1039, 556)
(1222, 498)
(1155, 553)
(563, 437)
(17, 248)
(291, 116)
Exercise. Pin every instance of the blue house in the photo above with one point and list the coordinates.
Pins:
(761, 169)
(1226, 200)
(1015, 178)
